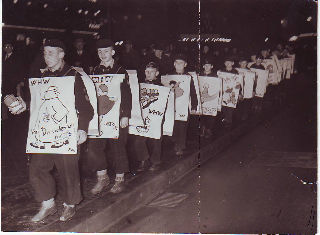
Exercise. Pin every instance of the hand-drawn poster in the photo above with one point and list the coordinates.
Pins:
(292, 59)
(181, 87)
(231, 85)
(93, 128)
(109, 100)
(248, 82)
(153, 102)
(136, 115)
(196, 86)
(210, 92)
(261, 81)
(53, 122)
(274, 76)
(169, 116)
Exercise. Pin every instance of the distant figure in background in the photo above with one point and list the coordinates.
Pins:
(129, 57)
(12, 74)
(79, 57)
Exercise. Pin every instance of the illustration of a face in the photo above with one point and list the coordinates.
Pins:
(51, 93)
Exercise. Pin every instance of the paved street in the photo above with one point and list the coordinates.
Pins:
(256, 186)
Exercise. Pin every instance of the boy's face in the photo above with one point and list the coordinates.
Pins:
(253, 58)
(180, 65)
(105, 54)
(264, 53)
(158, 53)
(259, 61)
(52, 56)
(228, 64)
(243, 64)
(151, 74)
(207, 68)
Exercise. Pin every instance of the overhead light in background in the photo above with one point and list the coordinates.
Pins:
(266, 39)
(86, 12)
(309, 18)
(120, 43)
(94, 1)
(80, 11)
(97, 12)
(293, 38)
(45, 5)
(29, 3)
(15, 1)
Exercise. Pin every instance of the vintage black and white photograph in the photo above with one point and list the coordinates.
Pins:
(159, 116)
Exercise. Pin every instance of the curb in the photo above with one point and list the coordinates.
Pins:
(103, 213)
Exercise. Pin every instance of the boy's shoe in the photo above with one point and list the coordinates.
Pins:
(103, 182)
(118, 187)
(142, 166)
(67, 213)
(43, 213)
(154, 167)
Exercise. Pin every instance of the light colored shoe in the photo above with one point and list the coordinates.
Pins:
(43, 213)
(103, 182)
(67, 213)
(118, 187)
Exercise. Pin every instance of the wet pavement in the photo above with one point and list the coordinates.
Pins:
(263, 183)
(18, 204)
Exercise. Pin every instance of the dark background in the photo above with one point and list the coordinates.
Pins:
(146, 21)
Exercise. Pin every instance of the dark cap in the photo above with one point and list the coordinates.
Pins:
(152, 64)
(55, 43)
(159, 46)
(243, 58)
(104, 43)
(207, 60)
(180, 56)
(229, 58)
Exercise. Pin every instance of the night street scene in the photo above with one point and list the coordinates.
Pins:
(159, 116)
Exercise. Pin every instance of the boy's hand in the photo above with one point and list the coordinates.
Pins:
(19, 108)
(82, 136)
(124, 122)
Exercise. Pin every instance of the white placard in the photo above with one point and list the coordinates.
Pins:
(248, 82)
(210, 92)
(231, 85)
(181, 86)
(153, 102)
(53, 122)
(109, 100)
(261, 81)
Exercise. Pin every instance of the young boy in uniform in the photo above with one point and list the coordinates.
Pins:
(227, 112)
(148, 148)
(207, 122)
(116, 147)
(180, 127)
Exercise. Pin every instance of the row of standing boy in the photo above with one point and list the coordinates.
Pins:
(41, 165)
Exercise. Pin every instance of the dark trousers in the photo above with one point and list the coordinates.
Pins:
(227, 113)
(207, 121)
(245, 108)
(148, 148)
(180, 133)
(99, 149)
(257, 103)
(43, 181)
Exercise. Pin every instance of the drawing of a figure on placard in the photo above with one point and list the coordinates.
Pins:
(147, 97)
(105, 103)
(178, 91)
(205, 97)
(51, 125)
